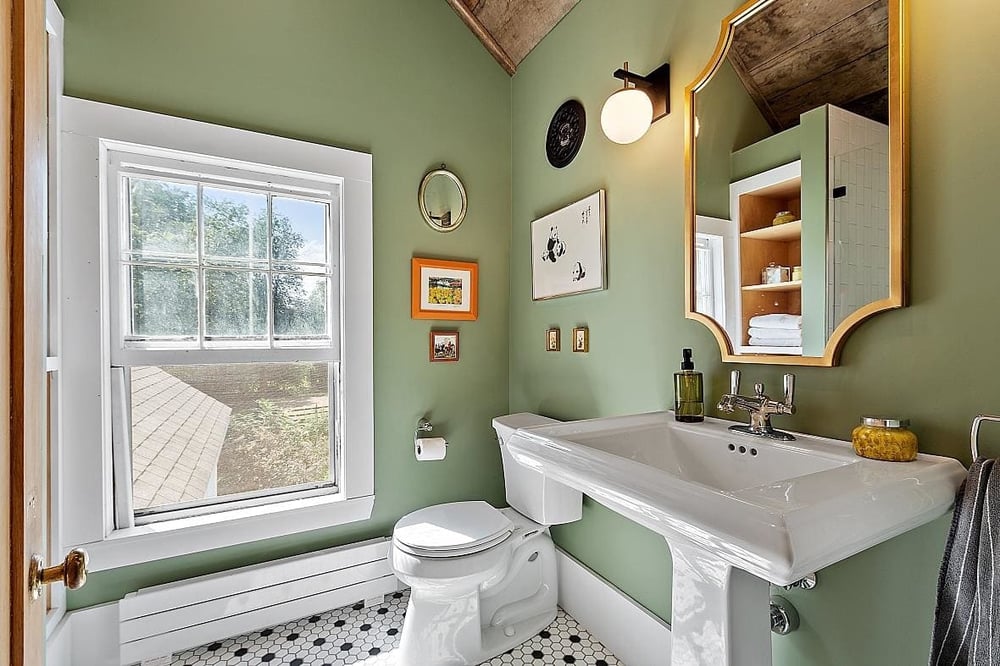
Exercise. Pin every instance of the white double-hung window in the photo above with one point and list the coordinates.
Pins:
(225, 322)
(235, 320)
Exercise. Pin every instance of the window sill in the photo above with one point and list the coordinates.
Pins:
(185, 536)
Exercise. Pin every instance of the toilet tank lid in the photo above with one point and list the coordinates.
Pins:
(511, 422)
(451, 526)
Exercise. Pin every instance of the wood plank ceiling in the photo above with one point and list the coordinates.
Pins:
(794, 56)
(509, 29)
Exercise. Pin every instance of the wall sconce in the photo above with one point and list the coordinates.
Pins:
(628, 113)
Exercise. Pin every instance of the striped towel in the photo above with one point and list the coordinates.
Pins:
(966, 629)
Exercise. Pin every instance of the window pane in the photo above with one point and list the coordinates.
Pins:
(235, 223)
(163, 217)
(164, 302)
(300, 306)
(206, 431)
(235, 304)
(299, 230)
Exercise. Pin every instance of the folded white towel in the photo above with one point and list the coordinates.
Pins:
(776, 333)
(768, 342)
(776, 321)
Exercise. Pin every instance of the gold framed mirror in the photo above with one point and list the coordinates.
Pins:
(796, 167)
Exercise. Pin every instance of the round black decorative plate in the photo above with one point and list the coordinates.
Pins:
(565, 135)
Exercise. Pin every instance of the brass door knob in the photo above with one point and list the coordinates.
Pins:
(72, 572)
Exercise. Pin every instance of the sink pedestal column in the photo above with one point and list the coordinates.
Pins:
(720, 613)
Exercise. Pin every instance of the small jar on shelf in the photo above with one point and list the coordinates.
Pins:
(774, 274)
(783, 217)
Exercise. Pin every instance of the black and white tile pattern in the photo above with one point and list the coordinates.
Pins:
(369, 637)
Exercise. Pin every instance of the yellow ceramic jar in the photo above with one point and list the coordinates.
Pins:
(885, 439)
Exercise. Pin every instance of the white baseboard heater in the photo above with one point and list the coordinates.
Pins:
(166, 619)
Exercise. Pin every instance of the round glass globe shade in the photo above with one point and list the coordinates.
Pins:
(626, 115)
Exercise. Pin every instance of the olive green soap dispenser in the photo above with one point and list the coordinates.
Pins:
(689, 392)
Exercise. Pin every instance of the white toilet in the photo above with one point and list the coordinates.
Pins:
(482, 580)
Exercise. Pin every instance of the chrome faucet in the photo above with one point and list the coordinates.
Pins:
(760, 407)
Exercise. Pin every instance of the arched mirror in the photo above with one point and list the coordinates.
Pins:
(796, 171)
(442, 199)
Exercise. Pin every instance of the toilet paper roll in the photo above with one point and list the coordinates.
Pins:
(430, 448)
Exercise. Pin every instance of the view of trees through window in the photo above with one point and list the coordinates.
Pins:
(226, 266)
(201, 431)
(239, 273)
(279, 428)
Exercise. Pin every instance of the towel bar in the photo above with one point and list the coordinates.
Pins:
(976, 422)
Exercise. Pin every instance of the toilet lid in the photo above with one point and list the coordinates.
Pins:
(452, 527)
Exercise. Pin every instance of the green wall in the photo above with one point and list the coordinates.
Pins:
(406, 81)
(932, 361)
(775, 150)
(813, 142)
(728, 120)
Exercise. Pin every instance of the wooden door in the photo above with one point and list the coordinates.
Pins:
(22, 317)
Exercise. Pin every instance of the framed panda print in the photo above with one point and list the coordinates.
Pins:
(568, 250)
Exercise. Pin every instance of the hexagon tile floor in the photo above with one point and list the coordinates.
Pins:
(369, 637)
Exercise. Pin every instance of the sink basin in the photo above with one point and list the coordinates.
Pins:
(737, 511)
(702, 453)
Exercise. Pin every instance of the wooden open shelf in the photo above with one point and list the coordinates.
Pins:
(789, 231)
(763, 243)
(792, 285)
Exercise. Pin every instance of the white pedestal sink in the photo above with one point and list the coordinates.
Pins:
(738, 512)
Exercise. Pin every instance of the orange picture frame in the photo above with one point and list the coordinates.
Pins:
(444, 290)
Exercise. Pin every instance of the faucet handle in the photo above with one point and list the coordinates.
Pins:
(789, 390)
(734, 382)
(758, 389)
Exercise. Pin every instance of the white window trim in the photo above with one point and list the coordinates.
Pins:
(85, 310)
(120, 161)
(730, 256)
(54, 26)
(194, 535)
(717, 253)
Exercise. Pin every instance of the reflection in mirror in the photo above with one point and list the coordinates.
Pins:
(795, 231)
(442, 200)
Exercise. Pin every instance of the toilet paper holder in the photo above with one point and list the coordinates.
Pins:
(429, 448)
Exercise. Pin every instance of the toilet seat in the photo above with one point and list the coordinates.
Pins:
(452, 530)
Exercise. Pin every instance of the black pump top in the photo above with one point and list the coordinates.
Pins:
(687, 363)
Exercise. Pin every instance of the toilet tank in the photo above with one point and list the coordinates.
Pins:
(542, 500)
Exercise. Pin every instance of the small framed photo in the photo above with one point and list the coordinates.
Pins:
(446, 290)
(553, 339)
(444, 346)
(581, 339)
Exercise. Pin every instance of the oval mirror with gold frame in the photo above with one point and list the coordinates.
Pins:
(442, 200)
(795, 160)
